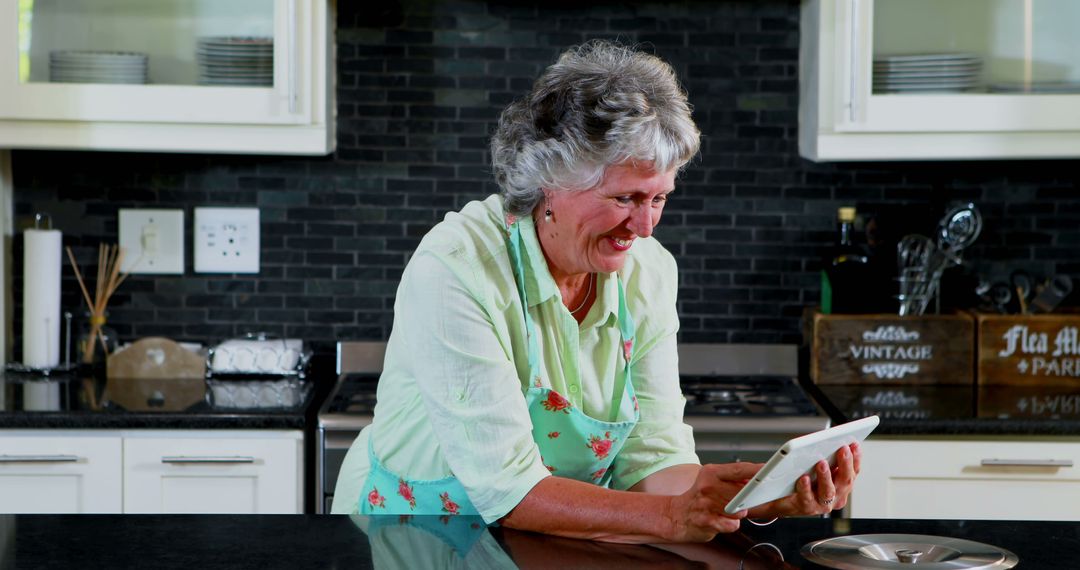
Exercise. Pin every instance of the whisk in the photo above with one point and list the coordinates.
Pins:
(914, 254)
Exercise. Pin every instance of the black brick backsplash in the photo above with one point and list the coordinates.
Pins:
(420, 85)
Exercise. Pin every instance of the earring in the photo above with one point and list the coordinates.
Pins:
(547, 215)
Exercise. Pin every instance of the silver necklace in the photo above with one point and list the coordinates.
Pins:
(592, 277)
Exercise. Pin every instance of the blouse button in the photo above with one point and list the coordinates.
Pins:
(461, 396)
(573, 388)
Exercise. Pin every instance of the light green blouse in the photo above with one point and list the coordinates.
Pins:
(450, 398)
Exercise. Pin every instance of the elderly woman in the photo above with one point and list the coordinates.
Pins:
(531, 376)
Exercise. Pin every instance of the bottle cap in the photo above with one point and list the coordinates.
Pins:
(846, 214)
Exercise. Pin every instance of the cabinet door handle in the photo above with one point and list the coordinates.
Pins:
(1027, 463)
(38, 458)
(207, 459)
(294, 56)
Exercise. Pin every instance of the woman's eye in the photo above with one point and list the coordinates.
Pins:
(624, 199)
(660, 199)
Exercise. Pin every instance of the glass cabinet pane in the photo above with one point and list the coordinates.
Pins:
(168, 42)
(976, 46)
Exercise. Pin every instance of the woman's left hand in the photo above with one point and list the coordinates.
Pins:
(830, 492)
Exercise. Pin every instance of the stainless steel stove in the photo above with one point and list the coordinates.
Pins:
(742, 401)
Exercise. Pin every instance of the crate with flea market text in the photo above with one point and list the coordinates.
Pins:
(1029, 349)
(890, 349)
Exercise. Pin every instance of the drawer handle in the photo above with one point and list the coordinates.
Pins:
(207, 459)
(38, 458)
(1027, 462)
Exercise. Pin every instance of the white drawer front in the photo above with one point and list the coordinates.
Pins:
(60, 474)
(936, 479)
(196, 475)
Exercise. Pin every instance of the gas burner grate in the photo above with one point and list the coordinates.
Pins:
(746, 396)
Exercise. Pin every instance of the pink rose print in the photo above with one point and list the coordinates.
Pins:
(375, 499)
(445, 519)
(510, 219)
(549, 468)
(627, 347)
(406, 493)
(448, 505)
(553, 435)
(474, 526)
(600, 446)
(635, 403)
(556, 403)
(536, 382)
(404, 519)
(598, 473)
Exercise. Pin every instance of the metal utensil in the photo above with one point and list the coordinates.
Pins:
(913, 254)
(1052, 295)
(1001, 295)
(959, 228)
(914, 250)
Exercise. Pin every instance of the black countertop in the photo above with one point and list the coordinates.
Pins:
(236, 542)
(1029, 410)
(80, 402)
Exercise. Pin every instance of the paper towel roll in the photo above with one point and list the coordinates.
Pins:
(41, 298)
(41, 396)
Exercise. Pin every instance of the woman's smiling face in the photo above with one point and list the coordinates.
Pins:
(591, 230)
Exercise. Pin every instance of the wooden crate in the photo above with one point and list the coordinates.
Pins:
(890, 349)
(1029, 349)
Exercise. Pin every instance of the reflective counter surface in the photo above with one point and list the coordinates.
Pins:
(235, 542)
(88, 401)
(955, 409)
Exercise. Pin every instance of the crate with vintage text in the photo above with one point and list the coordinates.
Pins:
(890, 349)
(1029, 349)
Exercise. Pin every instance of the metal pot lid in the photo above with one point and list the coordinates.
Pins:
(890, 551)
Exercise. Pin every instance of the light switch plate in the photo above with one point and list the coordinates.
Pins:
(226, 240)
(152, 240)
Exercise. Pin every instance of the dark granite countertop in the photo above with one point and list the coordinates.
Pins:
(944, 410)
(81, 402)
(236, 542)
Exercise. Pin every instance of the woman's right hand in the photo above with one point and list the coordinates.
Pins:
(698, 514)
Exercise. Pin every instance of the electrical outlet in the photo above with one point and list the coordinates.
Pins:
(153, 241)
(226, 240)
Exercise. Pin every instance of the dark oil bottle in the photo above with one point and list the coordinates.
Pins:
(846, 273)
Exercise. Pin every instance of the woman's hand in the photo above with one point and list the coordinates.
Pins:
(698, 514)
(830, 492)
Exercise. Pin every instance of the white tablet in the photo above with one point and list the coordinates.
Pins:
(796, 458)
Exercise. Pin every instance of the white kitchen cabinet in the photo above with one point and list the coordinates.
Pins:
(258, 474)
(44, 472)
(152, 471)
(280, 102)
(934, 478)
(1005, 84)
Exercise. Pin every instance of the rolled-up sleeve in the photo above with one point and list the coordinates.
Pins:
(468, 383)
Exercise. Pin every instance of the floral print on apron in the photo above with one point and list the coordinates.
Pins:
(572, 444)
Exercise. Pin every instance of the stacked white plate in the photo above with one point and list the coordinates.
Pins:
(98, 67)
(933, 72)
(235, 61)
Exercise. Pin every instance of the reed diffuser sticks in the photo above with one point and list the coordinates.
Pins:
(109, 277)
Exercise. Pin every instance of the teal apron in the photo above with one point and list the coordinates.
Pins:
(572, 444)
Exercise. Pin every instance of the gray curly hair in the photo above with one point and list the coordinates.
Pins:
(599, 105)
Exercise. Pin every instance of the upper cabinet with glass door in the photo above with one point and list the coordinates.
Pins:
(939, 79)
(245, 76)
